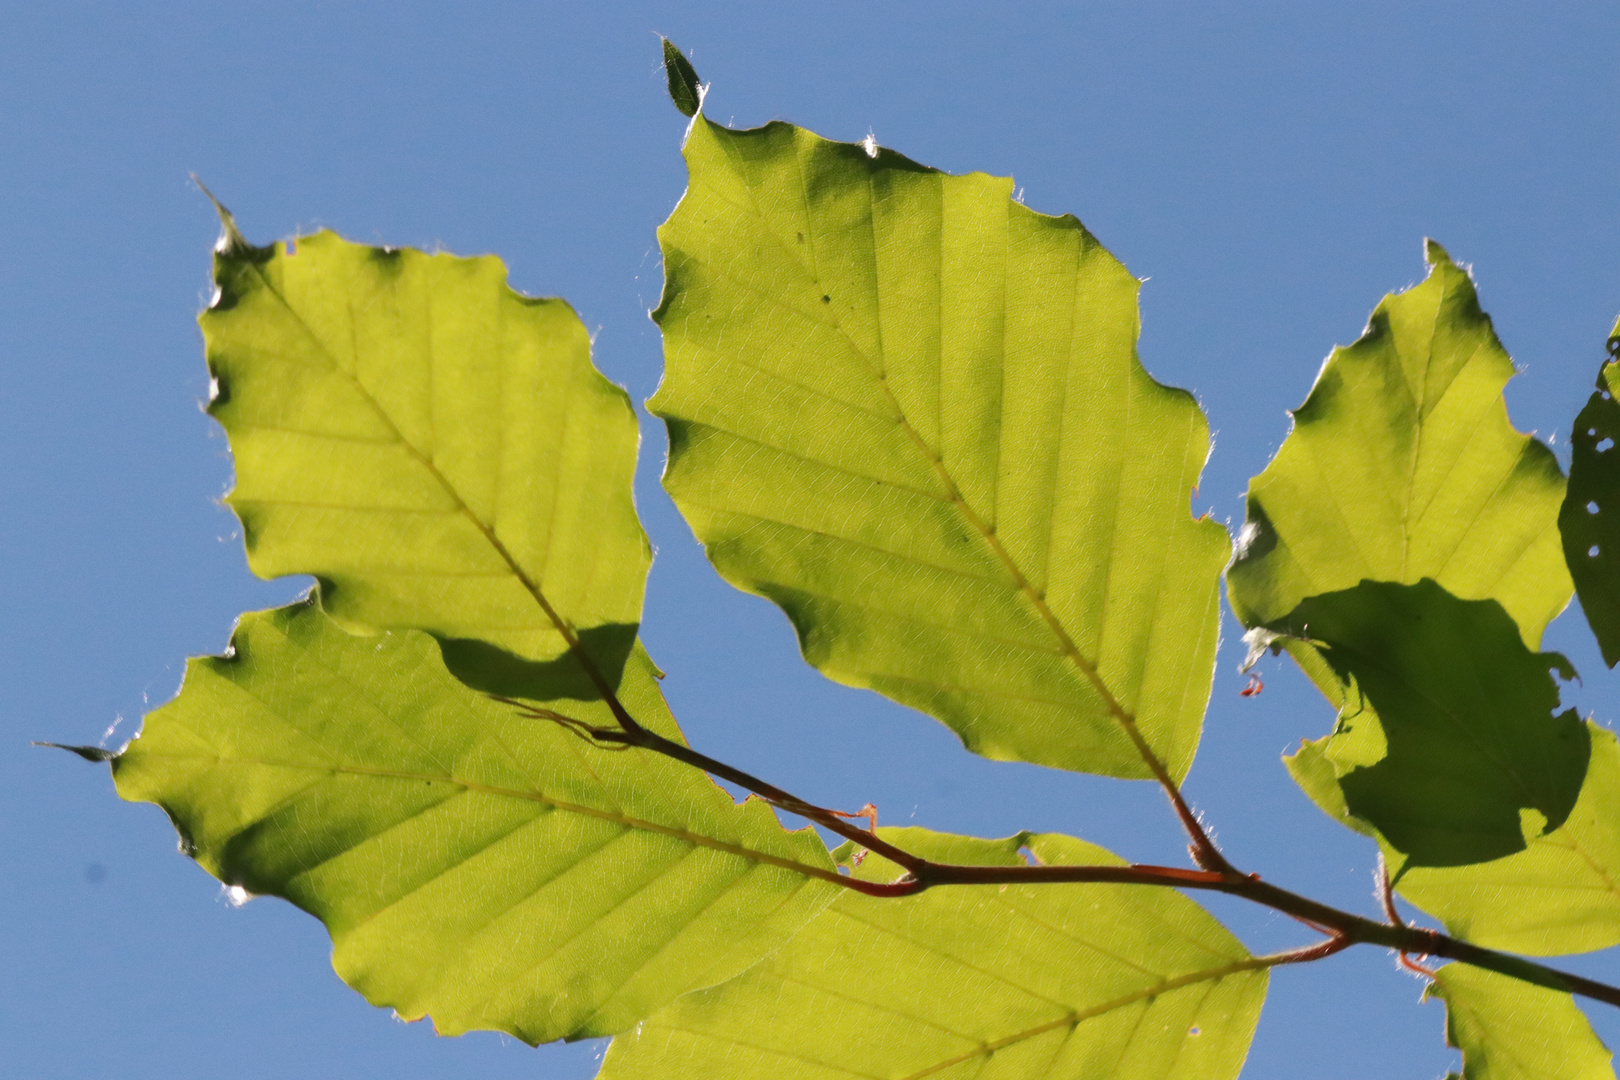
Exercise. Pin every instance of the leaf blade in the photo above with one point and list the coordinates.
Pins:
(1591, 536)
(492, 870)
(1513, 1030)
(1464, 712)
(913, 995)
(1403, 464)
(904, 408)
(434, 447)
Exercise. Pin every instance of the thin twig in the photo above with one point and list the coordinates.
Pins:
(1344, 928)
(1386, 897)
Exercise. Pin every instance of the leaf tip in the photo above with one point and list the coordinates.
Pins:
(89, 753)
(1433, 253)
(231, 240)
(684, 89)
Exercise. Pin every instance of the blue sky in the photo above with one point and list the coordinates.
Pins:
(1271, 169)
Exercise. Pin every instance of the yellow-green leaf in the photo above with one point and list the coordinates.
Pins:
(436, 448)
(1403, 465)
(1513, 1030)
(1040, 982)
(1473, 763)
(472, 863)
(909, 410)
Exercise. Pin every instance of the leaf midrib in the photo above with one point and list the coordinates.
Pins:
(1032, 596)
(529, 585)
(1078, 1016)
(629, 821)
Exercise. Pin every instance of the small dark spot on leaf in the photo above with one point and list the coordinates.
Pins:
(825, 299)
(801, 238)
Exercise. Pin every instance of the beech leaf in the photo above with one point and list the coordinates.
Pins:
(1590, 518)
(434, 447)
(1513, 1030)
(1036, 982)
(909, 411)
(1559, 895)
(1403, 465)
(472, 863)
(1464, 712)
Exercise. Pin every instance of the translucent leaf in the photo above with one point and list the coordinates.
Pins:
(989, 982)
(488, 868)
(1473, 764)
(909, 410)
(1590, 519)
(436, 448)
(1558, 896)
(1402, 465)
(1513, 1030)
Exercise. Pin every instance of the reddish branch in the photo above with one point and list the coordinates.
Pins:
(1216, 874)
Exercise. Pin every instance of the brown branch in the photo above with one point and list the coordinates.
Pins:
(1343, 927)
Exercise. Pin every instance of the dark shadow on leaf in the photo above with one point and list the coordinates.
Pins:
(1475, 752)
(492, 670)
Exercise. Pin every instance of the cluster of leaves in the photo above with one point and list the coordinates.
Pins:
(909, 411)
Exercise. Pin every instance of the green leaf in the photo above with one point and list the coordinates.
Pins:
(684, 89)
(1513, 1030)
(909, 410)
(1560, 895)
(1590, 518)
(1473, 763)
(1011, 981)
(489, 868)
(1402, 465)
(434, 447)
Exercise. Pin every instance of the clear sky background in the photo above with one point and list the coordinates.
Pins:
(1271, 169)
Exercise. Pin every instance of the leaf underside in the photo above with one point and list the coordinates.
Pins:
(437, 449)
(1559, 895)
(1465, 713)
(1513, 1030)
(909, 411)
(487, 868)
(988, 982)
(1403, 465)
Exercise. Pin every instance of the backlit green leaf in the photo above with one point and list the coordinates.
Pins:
(1040, 982)
(434, 447)
(1590, 518)
(1512, 1030)
(1402, 465)
(909, 410)
(684, 88)
(1559, 895)
(1473, 762)
(485, 867)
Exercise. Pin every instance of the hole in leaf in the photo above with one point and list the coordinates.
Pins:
(1028, 856)
(1605, 444)
(292, 247)
(1194, 1031)
(1590, 432)
(1592, 552)
(1591, 507)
